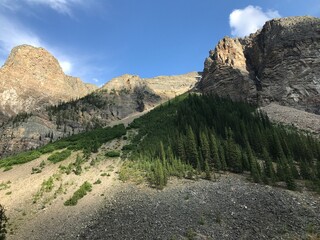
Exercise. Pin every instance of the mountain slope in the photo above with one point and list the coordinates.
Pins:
(278, 64)
(227, 207)
(118, 99)
(31, 78)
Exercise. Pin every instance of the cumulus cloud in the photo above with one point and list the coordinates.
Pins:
(249, 20)
(14, 34)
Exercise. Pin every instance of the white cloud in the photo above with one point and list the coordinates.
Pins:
(66, 66)
(249, 20)
(61, 6)
(14, 34)
(95, 80)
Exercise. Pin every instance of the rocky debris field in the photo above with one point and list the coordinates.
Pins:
(231, 208)
(293, 117)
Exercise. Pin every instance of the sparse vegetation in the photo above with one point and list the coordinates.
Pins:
(113, 154)
(5, 185)
(39, 168)
(7, 168)
(80, 193)
(59, 156)
(87, 142)
(46, 186)
(97, 182)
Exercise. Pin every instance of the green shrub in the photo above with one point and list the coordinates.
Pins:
(7, 168)
(80, 193)
(97, 182)
(128, 147)
(47, 149)
(59, 156)
(113, 154)
(89, 141)
(20, 158)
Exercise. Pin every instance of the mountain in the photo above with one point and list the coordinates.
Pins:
(120, 98)
(166, 87)
(32, 78)
(278, 64)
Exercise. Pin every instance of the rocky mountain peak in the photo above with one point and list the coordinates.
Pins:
(126, 81)
(31, 78)
(279, 63)
(25, 59)
(229, 51)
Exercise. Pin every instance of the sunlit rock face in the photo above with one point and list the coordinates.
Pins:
(279, 63)
(32, 78)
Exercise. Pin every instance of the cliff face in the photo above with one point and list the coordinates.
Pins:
(166, 87)
(31, 77)
(117, 99)
(278, 64)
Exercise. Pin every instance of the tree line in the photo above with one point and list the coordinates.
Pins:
(214, 134)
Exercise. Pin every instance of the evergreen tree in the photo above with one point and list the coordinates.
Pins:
(222, 158)
(160, 178)
(291, 185)
(318, 168)
(215, 152)
(191, 147)
(181, 149)
(162, 154)
(207, 170)
(268, 166)
(245, 162)
(205, 150)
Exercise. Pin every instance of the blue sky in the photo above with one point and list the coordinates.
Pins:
(97, 40)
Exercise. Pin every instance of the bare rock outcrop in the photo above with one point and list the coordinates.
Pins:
(121, 97)
(31, 78)
(166, 87)
(279, 63)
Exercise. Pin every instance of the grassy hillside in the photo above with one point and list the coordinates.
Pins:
(88, 142)
(197, 135)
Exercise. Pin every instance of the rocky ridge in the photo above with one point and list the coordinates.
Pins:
(121, 97)
(166, 87)
(31, 78)
(279, 63)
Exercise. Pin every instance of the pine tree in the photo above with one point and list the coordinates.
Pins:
(205, 150)
(162, 154)
(207, 170)
(318, 168)
(268, 166)
(235, 161)
(191, 147)
(160, 178)
(222, 158)
(254, 165)
(245, 161)
(181, 149)
(215, 152)
(291, 185)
